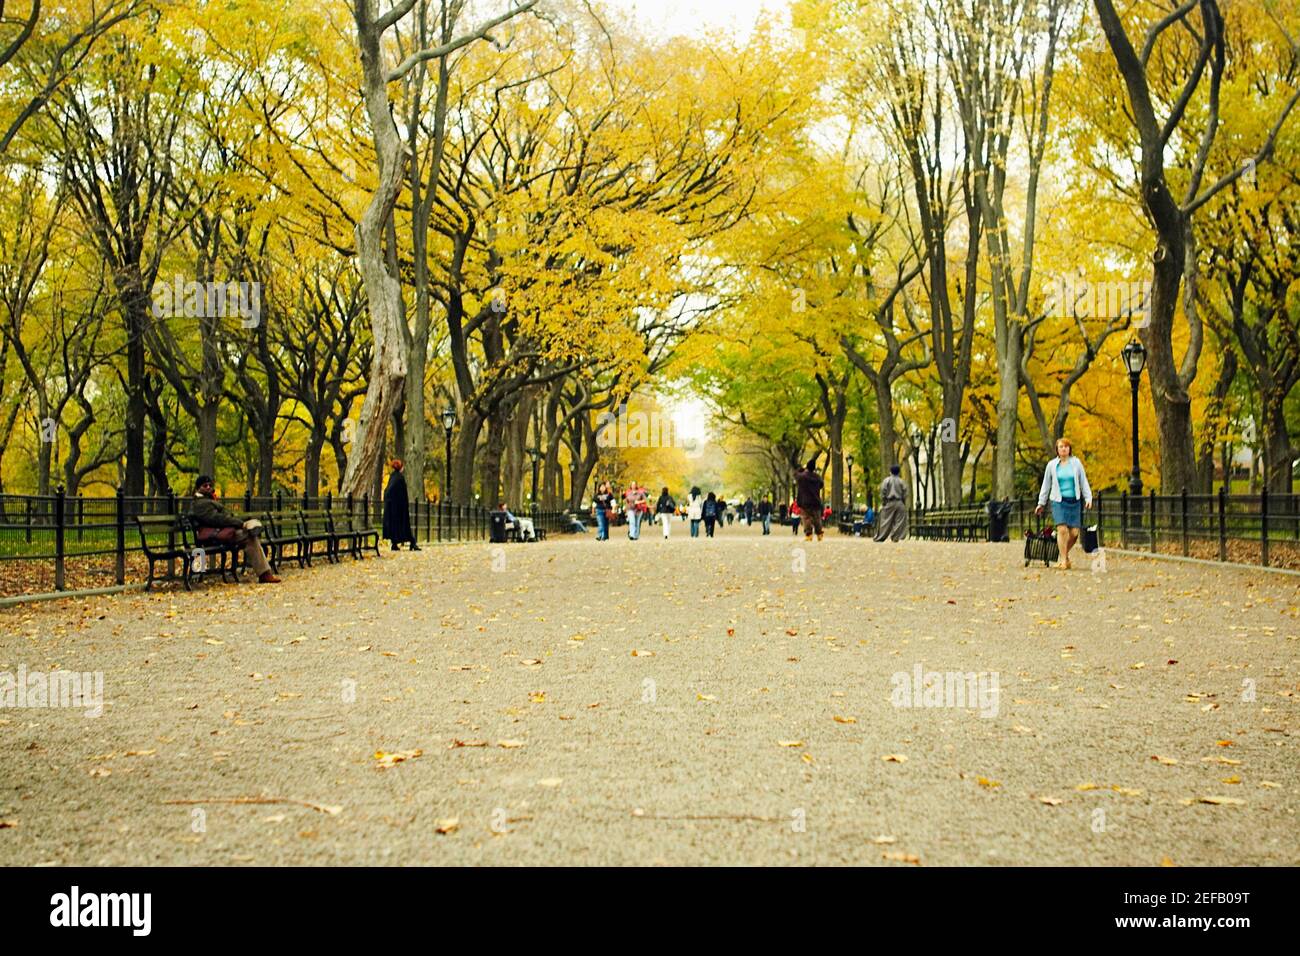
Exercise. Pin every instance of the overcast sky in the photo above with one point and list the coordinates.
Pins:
(694, 17)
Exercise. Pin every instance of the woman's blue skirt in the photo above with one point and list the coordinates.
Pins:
(1068, 513)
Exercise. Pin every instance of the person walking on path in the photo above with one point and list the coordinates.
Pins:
(397, 509)
(695, 511)
(808, 496)
(765, 515)
(603, 504)
(635, 498)
(749, 511)
(892, 520)
(710, 514)
(216, 525)
(665, 508)
(1066, 484)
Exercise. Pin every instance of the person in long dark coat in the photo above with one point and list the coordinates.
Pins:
(397, 509)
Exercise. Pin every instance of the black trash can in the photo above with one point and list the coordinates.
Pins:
(497, 527)
(999, 516)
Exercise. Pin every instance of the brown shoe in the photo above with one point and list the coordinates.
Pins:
(266, 577)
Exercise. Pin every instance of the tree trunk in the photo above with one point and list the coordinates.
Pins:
(388, 368)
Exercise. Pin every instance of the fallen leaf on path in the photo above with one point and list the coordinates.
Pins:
(1223, 801)
(789, 743)
(845, 720)
(902, 858)
(389, 759)
(894, 758)
(450, 825)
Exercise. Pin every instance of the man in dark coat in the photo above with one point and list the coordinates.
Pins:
(215, 525)
(397, 509)
(808, 496)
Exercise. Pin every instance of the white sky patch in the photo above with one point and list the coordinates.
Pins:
(690, 417)
(696, 18)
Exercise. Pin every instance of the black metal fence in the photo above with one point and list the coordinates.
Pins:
(1261, 529)
(58, 542)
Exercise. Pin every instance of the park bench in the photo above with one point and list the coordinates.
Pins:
(954, 524)
(171, 538)
(501, 530)
(316, 527)
(352, 530)
(276, 537)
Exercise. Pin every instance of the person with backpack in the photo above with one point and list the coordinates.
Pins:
(710, 513)
(665, 508)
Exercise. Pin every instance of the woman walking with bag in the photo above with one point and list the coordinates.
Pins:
(1066, 484)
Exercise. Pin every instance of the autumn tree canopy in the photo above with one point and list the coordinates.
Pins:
(277, 240)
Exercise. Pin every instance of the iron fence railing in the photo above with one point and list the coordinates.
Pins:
(1261, 529)
(47, 540)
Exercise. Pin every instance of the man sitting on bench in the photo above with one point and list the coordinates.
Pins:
(217, 526)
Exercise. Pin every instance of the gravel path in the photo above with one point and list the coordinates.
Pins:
(680, 702)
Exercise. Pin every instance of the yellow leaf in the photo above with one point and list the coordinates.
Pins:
(899, 857)
(389, 759)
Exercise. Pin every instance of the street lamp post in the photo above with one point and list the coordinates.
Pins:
(573, 484)
(1135, 359)
(535, 455)
(850, 484)
(448, 425)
